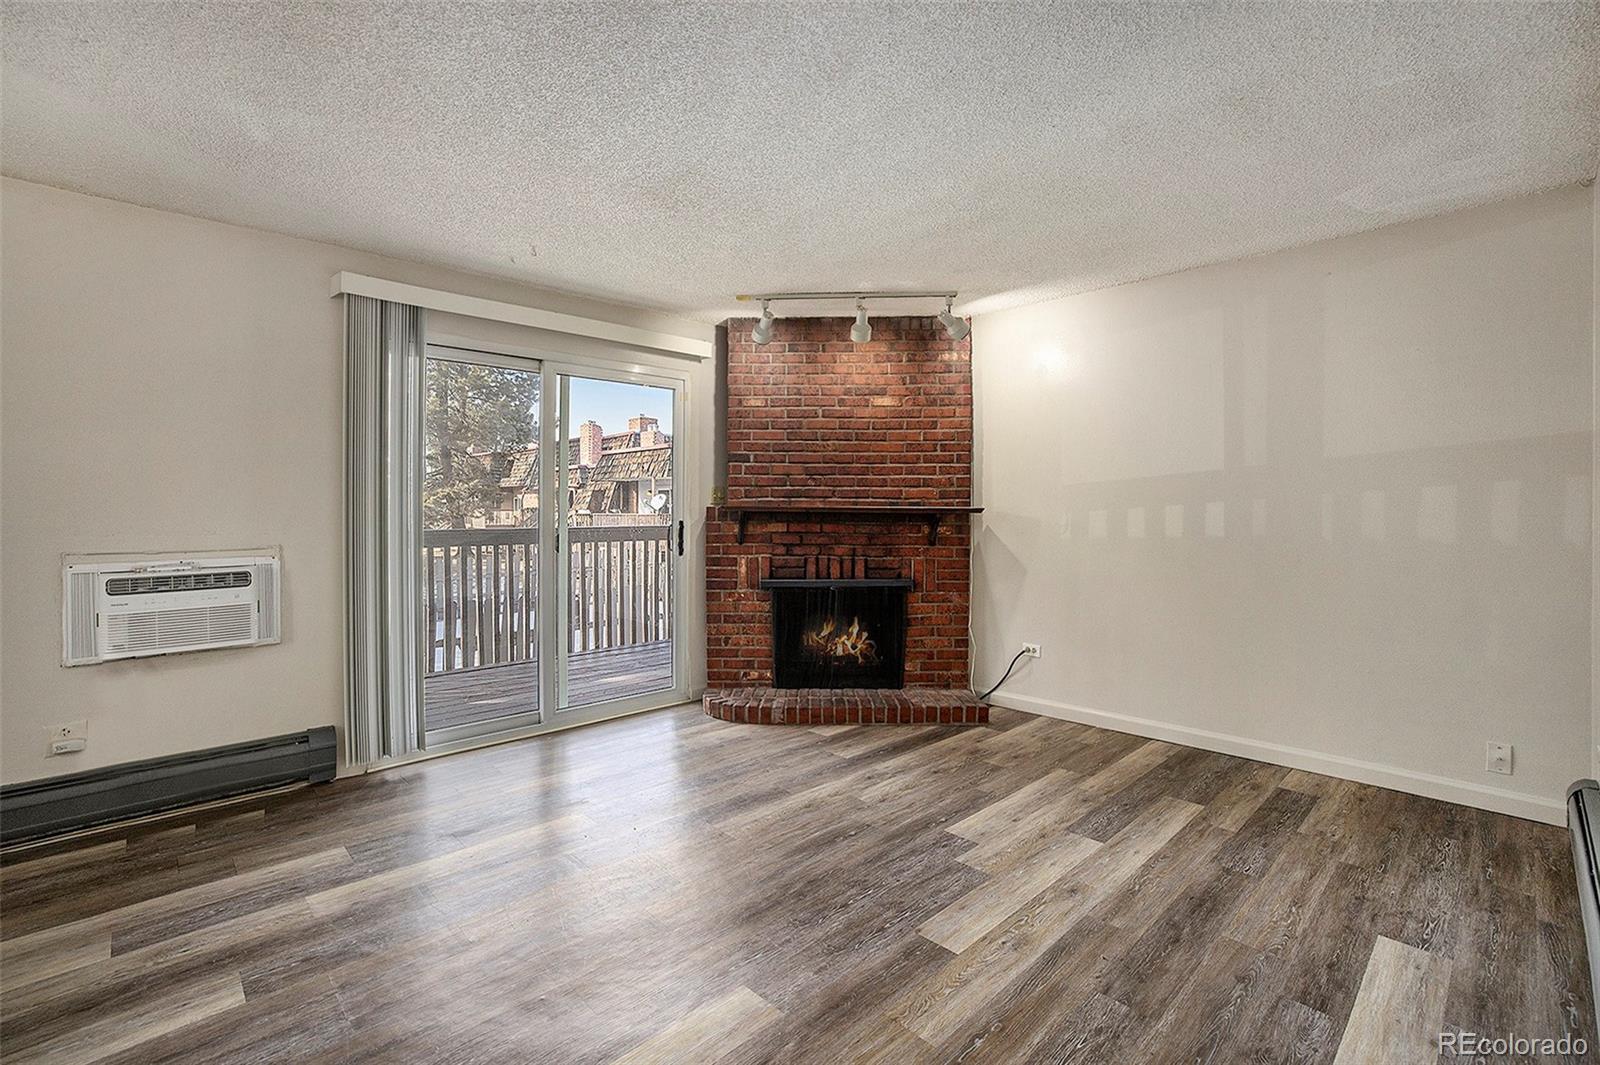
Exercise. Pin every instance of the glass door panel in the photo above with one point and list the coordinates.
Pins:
(480, 543)
(621, 537)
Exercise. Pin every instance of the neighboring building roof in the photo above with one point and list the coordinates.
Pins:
(596, 499)
(634, 465)
(523, 470)
(617, 467)
(621, 460)
(624, 441)
(522, 467)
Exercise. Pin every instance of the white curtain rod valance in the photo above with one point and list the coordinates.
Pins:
(346, 283)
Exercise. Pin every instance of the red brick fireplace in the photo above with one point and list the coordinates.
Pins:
(848, 465)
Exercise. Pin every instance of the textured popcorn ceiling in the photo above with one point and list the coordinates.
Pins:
(673, 155)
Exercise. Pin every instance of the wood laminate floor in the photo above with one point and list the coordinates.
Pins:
(670, 888)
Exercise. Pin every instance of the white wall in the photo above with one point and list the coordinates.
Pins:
(169, 383)
(1330, 507)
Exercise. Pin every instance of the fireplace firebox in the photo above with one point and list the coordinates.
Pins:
(838, 633)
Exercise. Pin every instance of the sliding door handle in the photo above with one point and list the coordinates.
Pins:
(680, 539)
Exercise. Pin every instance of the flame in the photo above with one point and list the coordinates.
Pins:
(830, 641)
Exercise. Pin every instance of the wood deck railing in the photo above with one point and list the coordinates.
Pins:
(620, 586)
(482, 592)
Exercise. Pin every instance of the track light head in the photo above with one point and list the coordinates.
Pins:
(763, 329)
(958, 328)
(861, 332)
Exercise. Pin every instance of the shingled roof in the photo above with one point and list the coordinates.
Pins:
(522, 467)
(635, 465)
(616, 467)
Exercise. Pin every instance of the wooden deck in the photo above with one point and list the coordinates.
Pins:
(469, 696)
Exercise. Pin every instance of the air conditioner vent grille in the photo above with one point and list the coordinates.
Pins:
(267, 592)
(80, 619)
(171, 630)
(146, 584)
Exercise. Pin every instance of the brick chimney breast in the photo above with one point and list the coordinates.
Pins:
(815, 418)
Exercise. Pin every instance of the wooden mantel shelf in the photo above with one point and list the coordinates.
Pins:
(931, 513)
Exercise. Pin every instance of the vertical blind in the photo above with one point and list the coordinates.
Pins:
(383, 419)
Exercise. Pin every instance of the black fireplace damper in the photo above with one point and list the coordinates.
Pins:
(838, 633)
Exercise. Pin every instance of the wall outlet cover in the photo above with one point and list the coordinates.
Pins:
(1030, 650)
(1497, 757)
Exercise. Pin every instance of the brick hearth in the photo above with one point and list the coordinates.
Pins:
(814, 418)
(829, 706)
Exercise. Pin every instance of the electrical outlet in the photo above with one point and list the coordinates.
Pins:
(69, 737)
(1497, 757)
(1030, 650)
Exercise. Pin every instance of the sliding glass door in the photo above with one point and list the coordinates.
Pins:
(622, 538)
(480, 543)
(545, 485)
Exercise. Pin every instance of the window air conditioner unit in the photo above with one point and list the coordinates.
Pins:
(134, 607)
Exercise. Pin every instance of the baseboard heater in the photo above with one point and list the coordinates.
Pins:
(39, 808)
(1583, 819)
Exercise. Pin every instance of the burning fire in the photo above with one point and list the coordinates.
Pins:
(832, 641)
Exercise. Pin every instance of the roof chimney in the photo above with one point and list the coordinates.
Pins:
(590, 443)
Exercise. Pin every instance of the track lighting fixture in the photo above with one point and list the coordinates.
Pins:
(763, 330)
(958, 328)
(861, 332)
